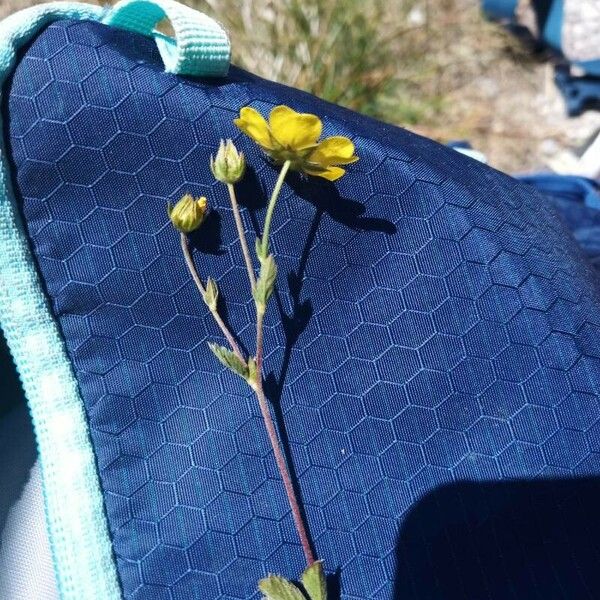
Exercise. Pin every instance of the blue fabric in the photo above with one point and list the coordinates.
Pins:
(578, 200)
(436, 335)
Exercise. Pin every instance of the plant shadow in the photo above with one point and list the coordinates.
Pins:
(326, 200)
(325, 197)
(251, 194)
(208, 242)
(506, 540)
(208, 239)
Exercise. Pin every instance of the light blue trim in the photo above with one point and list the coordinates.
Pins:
(200, 47)
(77, 527)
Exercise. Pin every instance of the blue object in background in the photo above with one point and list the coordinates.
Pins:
(436, 365)
(577, 190)
(581, 92)
(500, 9)
(548, 15)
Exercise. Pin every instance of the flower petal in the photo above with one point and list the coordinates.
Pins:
(330, 173)
(295, 131)
(253, 124)
(336, 150)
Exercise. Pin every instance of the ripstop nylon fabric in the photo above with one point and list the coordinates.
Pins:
(434, 356)
(74, 506)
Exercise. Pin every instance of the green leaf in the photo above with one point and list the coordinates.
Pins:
(314, 582)
(212, 294)
(275, 587)
(266, 281)
(230, 360)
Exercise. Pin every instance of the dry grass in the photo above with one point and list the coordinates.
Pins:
(435, 66)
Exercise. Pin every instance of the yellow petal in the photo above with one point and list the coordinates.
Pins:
(253, 124)
(336, 150)
(295, 131)
(330, 173)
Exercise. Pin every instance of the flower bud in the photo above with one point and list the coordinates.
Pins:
(188, 214)
(229, 165)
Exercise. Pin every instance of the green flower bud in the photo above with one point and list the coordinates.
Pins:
(229, 165)
(188, 214)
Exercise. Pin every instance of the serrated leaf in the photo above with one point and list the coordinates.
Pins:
(230, 360)
(275, 587)
(314, 582)
(266, 281)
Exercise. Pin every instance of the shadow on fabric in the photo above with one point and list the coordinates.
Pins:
(297, 313)
(533, 540)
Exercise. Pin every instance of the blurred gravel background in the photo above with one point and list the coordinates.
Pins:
(433, 66)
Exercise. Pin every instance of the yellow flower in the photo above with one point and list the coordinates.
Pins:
(294, 137)
(188, 214)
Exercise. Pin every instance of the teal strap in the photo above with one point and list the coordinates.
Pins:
(20, 27)
(79, 537)
(200, 47)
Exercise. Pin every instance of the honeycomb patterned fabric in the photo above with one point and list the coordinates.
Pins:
(435, 363)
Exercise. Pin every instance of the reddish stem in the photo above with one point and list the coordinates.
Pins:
(215, 313)
(275, 444)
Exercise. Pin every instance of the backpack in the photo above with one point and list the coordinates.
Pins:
(434, 365)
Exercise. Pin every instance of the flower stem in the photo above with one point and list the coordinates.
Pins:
(242, 235)
(215, 313)
(271, 208)
(275, 444)
(258, 387)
